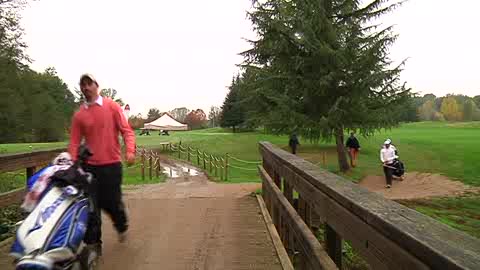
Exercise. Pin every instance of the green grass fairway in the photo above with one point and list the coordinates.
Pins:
(449, 149)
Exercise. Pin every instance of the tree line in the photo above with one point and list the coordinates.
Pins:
(453, 108)
(195, 119)
(35, 106)
(319, 69)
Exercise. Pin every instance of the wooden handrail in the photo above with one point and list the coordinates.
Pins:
(30, 162)
(13, 162)
(386, 234)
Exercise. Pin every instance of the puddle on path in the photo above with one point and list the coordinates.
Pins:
(178, 170)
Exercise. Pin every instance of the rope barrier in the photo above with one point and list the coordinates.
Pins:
(134, 167)
(240, 168)
(244, 161)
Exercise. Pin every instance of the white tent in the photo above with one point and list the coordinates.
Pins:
(165, 122)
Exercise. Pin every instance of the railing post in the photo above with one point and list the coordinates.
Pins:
(198, 157)
(179, 151)
(188, 153)
(277, 179)
(150, 160)
(30, 172)
(334, 245)
(157, 159)
(288, 191)
(226, 167)
(289, 236)
(204, 160)
(221, 169)
(143, 164)
(211, 163)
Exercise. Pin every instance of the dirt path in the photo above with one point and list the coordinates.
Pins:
(189, 223)
(417, 186)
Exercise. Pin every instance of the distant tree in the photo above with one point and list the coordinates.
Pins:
(233, 113)
(469, 108)
(180, 114)
(153, 114)
(112, 93)
(476, 115)
(409, 113)
(35, 106)
(214, 116)
(438, 116)
(196, 119)
(12, 47)
(450, 109)
(429, 97)
(136, 121)
(476, 99)
(427, 111)
(438, 104)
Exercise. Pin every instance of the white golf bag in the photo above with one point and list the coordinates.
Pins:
(51, 237)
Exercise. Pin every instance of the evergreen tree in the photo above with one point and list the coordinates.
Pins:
(232, 114)
(153, 114)
(323, 68)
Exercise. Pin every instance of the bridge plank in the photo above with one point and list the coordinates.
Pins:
(316, 255)
(435, 244)
(277, 242)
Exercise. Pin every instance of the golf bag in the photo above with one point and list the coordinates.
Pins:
(51, 237)
(399, 170)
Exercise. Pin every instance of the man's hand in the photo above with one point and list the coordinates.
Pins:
(130, 158)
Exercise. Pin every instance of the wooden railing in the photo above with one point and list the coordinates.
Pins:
(220, 166)
(386, 234)
(149, 160)
(28, 161)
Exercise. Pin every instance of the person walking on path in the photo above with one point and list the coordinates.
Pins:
(353, 148)
(293, 143)
(387, 156)
(99, 122)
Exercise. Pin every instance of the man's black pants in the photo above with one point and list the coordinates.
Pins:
(388, 174)
(107, 195)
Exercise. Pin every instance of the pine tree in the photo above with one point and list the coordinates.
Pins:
(232, 114)
(324, 68)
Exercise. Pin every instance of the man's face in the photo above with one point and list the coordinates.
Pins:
(387, 146)
(89, 88)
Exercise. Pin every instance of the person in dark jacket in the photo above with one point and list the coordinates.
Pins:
(353, 148)
(293, 143)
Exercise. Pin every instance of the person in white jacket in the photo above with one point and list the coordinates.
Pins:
(387, 156)
(392, 146)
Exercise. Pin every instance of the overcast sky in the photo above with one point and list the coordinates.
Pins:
(168, 54)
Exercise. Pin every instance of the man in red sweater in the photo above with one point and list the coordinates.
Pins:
(99, 121)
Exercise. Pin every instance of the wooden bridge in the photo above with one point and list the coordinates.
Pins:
(301, 204)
